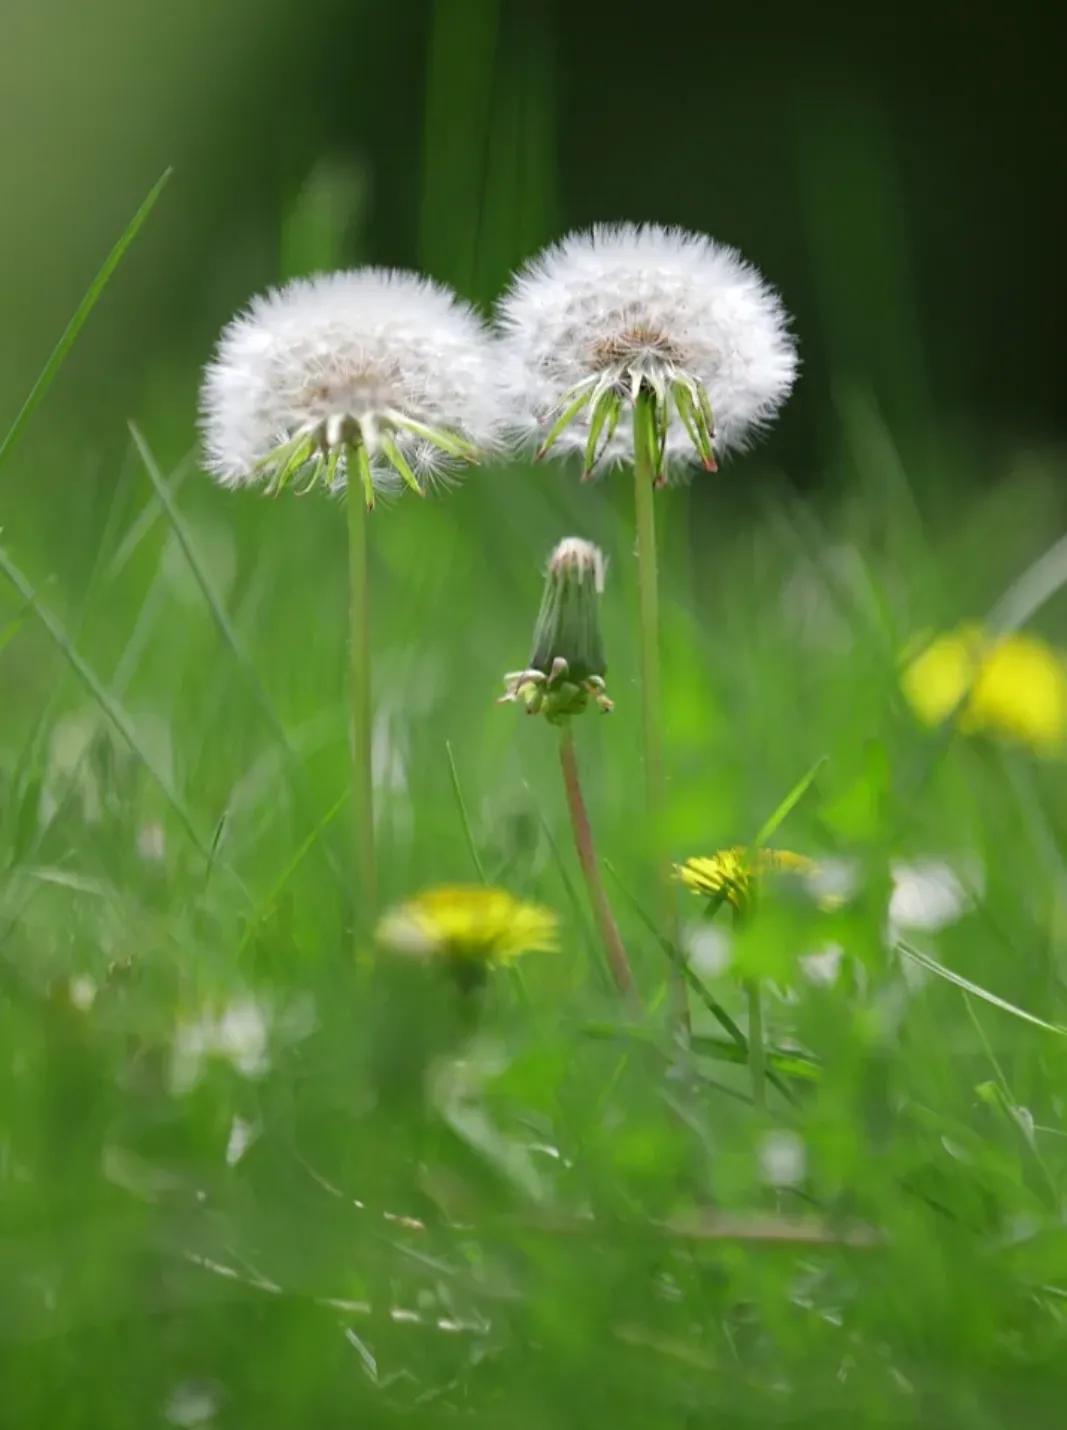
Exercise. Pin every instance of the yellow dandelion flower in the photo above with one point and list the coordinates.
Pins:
(469, 922)
(729, 874)
(1014, 686)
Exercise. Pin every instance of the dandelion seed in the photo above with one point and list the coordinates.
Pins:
(375, 375)
(469, 924)
(623, 310)
(730, 875)
(1013, 686)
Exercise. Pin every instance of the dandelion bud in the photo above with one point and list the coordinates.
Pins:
(567, 664)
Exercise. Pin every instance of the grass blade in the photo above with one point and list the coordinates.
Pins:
(792, 799)
(256, 922)
(146, 519)
(461, 804)
(218, 613)
(957, 979)
(165, 495)
(70, 333)
(110, 707)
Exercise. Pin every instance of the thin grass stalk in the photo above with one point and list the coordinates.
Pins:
(359, 701)
(614, 950)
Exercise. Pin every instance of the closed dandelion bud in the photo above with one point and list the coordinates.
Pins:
(567, 664)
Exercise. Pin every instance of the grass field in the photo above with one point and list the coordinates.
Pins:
(249, 1176)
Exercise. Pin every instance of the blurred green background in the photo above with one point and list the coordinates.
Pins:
(890, 171)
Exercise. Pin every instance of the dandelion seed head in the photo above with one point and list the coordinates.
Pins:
(625, 304)
(345, 358)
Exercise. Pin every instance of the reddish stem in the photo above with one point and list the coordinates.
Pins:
(583, 843)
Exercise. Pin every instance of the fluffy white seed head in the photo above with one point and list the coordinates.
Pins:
(622, 307)
(374, 358)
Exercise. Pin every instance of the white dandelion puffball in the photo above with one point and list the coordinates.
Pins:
(602, 315)
(377, 370)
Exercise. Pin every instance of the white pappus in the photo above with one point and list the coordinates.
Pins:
(604, 315)
(377, 370)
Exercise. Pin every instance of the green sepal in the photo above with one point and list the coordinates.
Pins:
(396, 460)
(450, 442)
(564, 420)
(603, 419)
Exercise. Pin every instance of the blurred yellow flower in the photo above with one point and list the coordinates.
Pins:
(729, 874)
(1014, 686)
(460, 921)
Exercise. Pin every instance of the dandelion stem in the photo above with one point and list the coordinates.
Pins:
(584, 844)
(648, 597)
(645, 475)
(359, 697)
(756, 1057)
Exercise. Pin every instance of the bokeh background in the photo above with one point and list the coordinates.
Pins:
(892, 170)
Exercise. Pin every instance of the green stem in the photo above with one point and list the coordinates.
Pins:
(586, 847)
(648, 597)
(359, 698)
(756, 1055)
(645, 474)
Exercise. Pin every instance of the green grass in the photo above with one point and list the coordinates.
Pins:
(539, 1208)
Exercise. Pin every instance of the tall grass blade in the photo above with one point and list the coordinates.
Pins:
(771, 825)
(70, 333)
(461, 805)
(932, 966)
(110, 707)
(218, 613)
